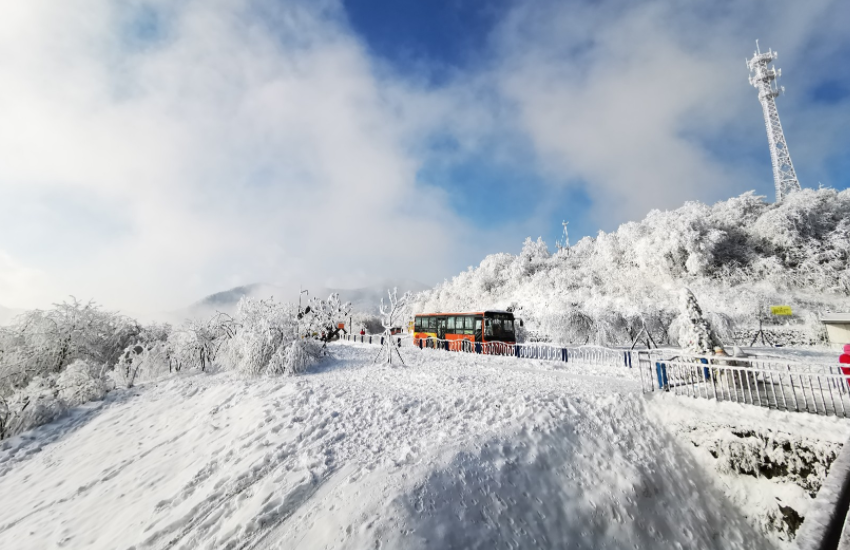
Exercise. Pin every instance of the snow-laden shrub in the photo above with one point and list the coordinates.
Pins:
(142, 362)
(295, 358)
(196, 344)
(43, 342)
(46, 397)
(29, 407)
(80, 383)
(269, 339)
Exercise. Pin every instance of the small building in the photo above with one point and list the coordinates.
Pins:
(837, 328)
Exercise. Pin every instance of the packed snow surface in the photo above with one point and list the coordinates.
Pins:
(450, 451)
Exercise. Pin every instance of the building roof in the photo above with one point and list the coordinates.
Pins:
(836, 318)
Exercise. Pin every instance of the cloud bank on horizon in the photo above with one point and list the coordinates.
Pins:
(152, 152)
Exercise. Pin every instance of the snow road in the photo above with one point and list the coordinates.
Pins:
(451, 451)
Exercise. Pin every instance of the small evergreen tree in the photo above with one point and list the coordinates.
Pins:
(697, 336)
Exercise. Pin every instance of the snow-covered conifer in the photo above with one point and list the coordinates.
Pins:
(696, 336)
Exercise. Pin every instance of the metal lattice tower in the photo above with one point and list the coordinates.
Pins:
(764, 78)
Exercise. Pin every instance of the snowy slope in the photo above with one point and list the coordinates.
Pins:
(452, 451)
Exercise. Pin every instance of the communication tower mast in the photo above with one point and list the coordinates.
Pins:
(764, 79)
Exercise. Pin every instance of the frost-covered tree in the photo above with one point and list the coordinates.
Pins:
(696, 335)
(46, 341)
(270, 338)
(323, 317)
(393, 313)
(196, 344)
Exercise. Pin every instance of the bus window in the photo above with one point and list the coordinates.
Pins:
(418, 324)
(451, 325)
(468, 323)
(509, 325)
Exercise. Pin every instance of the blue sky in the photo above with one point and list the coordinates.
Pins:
(442, 41)
(156, 151)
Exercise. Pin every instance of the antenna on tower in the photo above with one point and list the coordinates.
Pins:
(566, 244)
(764, 79)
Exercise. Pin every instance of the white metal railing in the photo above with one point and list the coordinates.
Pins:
(813, 387)
(587, 355)
(805, 387)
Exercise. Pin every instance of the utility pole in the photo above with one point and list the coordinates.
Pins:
(301, 291)
(764, 79)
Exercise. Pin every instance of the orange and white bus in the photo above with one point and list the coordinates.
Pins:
(463, 330)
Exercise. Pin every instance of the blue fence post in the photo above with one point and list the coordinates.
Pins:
(661, 373)
(516, 350)
(370, 340)
(705, 370)
(382, 340)
(446, 345)
(564, 355)
(477, 347)
(420, 343)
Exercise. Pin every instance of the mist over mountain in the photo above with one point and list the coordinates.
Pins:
(363, 300)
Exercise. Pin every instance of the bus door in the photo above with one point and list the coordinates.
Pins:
(478, 329)
(441, 328)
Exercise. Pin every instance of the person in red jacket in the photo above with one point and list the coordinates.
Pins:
(844, 359)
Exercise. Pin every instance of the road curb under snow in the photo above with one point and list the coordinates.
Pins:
(826, 526)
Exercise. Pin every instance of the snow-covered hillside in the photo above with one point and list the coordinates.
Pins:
(451, 451)
(738, 256)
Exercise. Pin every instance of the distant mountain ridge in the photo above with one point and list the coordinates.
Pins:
(363, 300)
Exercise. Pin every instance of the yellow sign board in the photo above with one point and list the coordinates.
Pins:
(781, 310)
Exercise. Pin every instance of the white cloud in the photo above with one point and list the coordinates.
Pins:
(21, 284)
(153, 152)
(623, 97)
(227, 149)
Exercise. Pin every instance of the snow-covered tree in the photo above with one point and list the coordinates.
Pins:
(696, 335)
(393, 314)
(270, 338)
(323, 317)
(196, 344)
(46, 341)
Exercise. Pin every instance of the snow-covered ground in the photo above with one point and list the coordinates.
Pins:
(451, 451)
